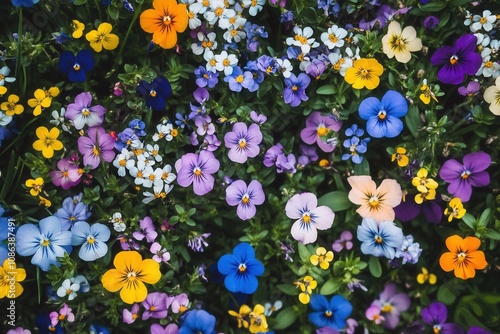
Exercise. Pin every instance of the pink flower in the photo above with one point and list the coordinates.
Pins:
(160, 254)
(373, 314)
(130, 316)
(343, 242)
(67, 175)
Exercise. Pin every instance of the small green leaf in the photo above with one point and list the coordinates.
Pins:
(303, 253)
(288, 289)
(285, 318)
(335, 200)
(326, 90)
(374, 266)
(491, 234)
(485, 218)
(330, 286)
(445, 295)
(469, 220)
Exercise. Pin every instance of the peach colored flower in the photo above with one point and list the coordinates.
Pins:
(463, 257)
(377, 203)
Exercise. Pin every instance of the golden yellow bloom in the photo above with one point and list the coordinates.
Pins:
(78, 29)
(242, 315)
(36, 185)
(11, 107)
(424, 276)
(102, 38)
(3, 89)
(41, 101)
(10, 276)
(44, 201)
(47, 141)
(52, 92)
(422, 182)
(322, 257)
(399, 43)
(427, 93)
(455, 209)
(401, 157)
(364, 73)
(306, 285)
(258, 321)
(427, 195)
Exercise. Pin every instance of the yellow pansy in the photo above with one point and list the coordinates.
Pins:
(78, 29)
(306, 285)
(322, 257)
(11, 107)
(427, 93)
(258, 321)
(242, 315)
(422, 182)
(401, 157)
(10, 276)
(47, 141)
(455, 209)
(424, 276)
(102, 38)
(41, 101)
(365, 72)
(36, 185)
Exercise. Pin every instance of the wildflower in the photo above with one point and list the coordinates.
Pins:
(71, 213)
(147, 230)
(10, 277)
(310, 217)
(197, 242)
(431, 22)
(410, 251)
(272, 154)
(81, 113)
(258, 118)
(318, 128)
(306, 285)
(334, 37)
(457, 60)
(102, 38)
(422, 182)
(364, 73)
(47, 141)
(425, 276)
(97, 146)
(332, 313)
(197, 321)
(76, 67)
(129, 275)
(241, 268)
(129, 317)
(169, 329)
(65, 313)
(302, 39)
(92, 238)
(270, 308)
(427, 93)
(435, 315)
(24, 3)
(401, 157)
(160, 254)
(46, 242)
(295, 90)
(180, 303)
(322, 257)
(471, 89)
(343, 242)
(377, 203)
(68, 289)
(379, 238)
(156, 92)
(461, 178)
(485, 21)
(58, 119)
(492, 96)
(197, 169)
(242, 315)
(355, 146)
(399, 43)
(245, 197)
(78, 28)
(156, 305)
(225, 62)
(40, 101)
(36, 185)
(409, 209)
(4, 72)
(373, 313)
(392, 304)
(383, 116)
(463, 257)
(11, 107)
(243, 142)
(455, 209)
(238, 79)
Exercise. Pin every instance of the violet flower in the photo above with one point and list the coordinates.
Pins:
(81, 113)
(461, 178)
(343, 242)
(130, 316)
(286, 164)
(272, 155)
(471, 89)
(431, 22)
(147, 230)
(243, 142)
(160, 253)
(170, 329)
(245, 197)
(477, 330)
(317, 128)
(155, 305)
(197, 242)
(295, 91)
(308, 154)
(211, 143)
(258, 118)
(67, 175)
(435, 315)
(410, 251)
(392, 304)
(98, 145)
(180, 303)
(408, 209)
(457, 60)
(197, 169)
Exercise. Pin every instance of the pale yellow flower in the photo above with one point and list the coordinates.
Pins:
(399, 43)
(492, 96)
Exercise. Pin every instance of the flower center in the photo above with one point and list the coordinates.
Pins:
(167, 20)
(387, 308)
(301, 39)
(465, 174)
(242, 143)
(45, 242)
(226, 62)
(197, 171)
(61, 317)
(295, 88)
(85, 112)
(152, 93)
(488, 64)
(239, 78)
(483, 20)
(378, 239)
(333, 38)
(242, 267)
(152, 308)
(461, 256)
(328, 313)
(76, 67)
(453, 60)
(182, 308)
(382, 114)
(364, 73)
(245, 199)
(436, 329)
(95, 150)
(131, 275)
(306, 217)
(322, 130)
(90, 240)
(374, 202)
(69, 291)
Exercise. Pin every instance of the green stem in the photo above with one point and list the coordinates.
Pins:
(17, 138)
(25, 82)
(19, 36)
(124, 42)
(98, 9)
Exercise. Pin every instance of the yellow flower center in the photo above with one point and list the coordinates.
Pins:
(488, 64)
(483, 20)
(239, 78)
(245, 199)
(167, 20)
(453, 60)
(152, 93)
(242, 268)
(242, 143)
(45, 243)
(387, 308)
(139, 174)
(374, 202)
(436, 329)
(76, 67)
(218, 12)
(382, 114)
(333, 38)
(378, 239)
(95, 150)
(226, 62)
(69, 291)
(301, 39)
(364, 73)
(328, 313)
(85, 112)
(152, 308)
(306, 217)
(322, 130)
(131, 275)
(182, 308)
(123, 162)
(90, 240)
(152, 177)
(213, 62)
(465, 174)
(295, 88)
(61, 317)
(174, 132)
(197, 171)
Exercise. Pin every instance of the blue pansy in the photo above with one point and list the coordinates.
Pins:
(331, 314)
(72, 211)
(156, 92)
(76, 67)
(383, 116)
(97, 329)
(197, 321)
(241, 269)
(379, 239)
(4, 234)
(92, 238)
(355, 146)
(46, 242)
(24, 3)
(138, 126)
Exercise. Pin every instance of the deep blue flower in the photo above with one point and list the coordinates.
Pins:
(72, 211)
(205, 77)
(383, 116)
(295, 90)
(379, 239)
(331, 314)
(76, 67)
(138, 126)
(97, 329)
(196, 322)
(241, 269)
(156, 92)
(43, 322)
(24, 3)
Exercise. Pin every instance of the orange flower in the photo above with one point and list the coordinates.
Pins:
(165, 21)
(463, 257)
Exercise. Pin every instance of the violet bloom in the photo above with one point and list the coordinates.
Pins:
(295, 91)
(431, 22)
(238, 80)
(408, 209)
(286, 164)
(246, 198)
(318, 127)
(180, 303)
(211, 143)
(147, 230)
(204, 125)
(66, 176)
(170, 329)
(155, 305)
(308, 154)
(343, 242)
(197, 242)
(98, 145)
(258, 118)
(130, 316)
(272, 155)
(410, 251)
(206, 78)
(461, 178)
(435, 315)
(457, 60)
(160, 253)
(392, 304)
(316, 69)
(197, 169)
(81, 113)
(471, 89)
(243, 142)
(477, 330)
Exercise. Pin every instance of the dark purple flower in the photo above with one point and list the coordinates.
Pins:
(431, 22)
(147, 230)
(295, 91)
(267, 64)
(272, 155)
(98, 145)
(461, 178)
(81, 113)
(243, 142)
(471, 89)
(435, 315)
(197, 169)
(156, 306)
(477, 330)
(156, 92)
(392, 304)
(76, 66)
(318, 128)
(457, 60)
(246, 198)
(408, 209)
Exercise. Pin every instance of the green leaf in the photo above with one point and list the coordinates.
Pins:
(113, 12)
(413, 120)
(303, 253)
(469, 220)
(374, 266)
(326, 90)
(485, 218)
(285, 318)
(330, 286)
(363, 168)
(445, 295)
(335, 200)
(288, 289)
(433, 6)
(491, 234)
(79, 2)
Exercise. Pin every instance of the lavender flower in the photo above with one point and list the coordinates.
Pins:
(67, 174)
(272, 154)
(197, 169)
(147, 230)
(258, 118)
(160, 253)
(238, 80)
(410, 251)
(431, 22)
(156, 305)
(243, 142)
(295, 91)
(343, 242)
(81, 113)
(197, 242)
(286, 164)
(308, 154)
(245, 197)
(98, 145)
(471, 89)
(392, 304)
(206, 78)
(130, 316)
(72, 212)
(318, 127)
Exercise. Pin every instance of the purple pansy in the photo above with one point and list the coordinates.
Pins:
(343, 242)
(243, 142)
(457, 60)
(308, 154)
(98, 145)
(156, 305)
(245, 197)
(477, 330)
(81, 112)
(408, 209)
(318, 127)
(147, 230)
(129, 317)
(258, 118)
(286, 163)
(66, 175)
(170, 329)
(410, 251)
(295, 91)
(392, 304)
(435, 315)
(197, 169)
(160, 253)
(206, 78)
(272, 155)
(461, 177)
(471, 89)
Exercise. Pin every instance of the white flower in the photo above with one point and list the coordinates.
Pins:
(200, 6)
(205, 43)
(235, 35)
(116, 218)
(211, 61)
(225, 62)
(167, 176)
(157, 193)
(153, 151)
(152, 177)
(194, 21)
(58, 118)
(4, 119)
(217, 9)
(254, 6)
(68, 289)
(334, 37)
(468, 18)
(302, 39)
(231, 19)
(4, 72)
(138, 173)
(486, 21)
(163, 131)
(122, 162)
(285, 66)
